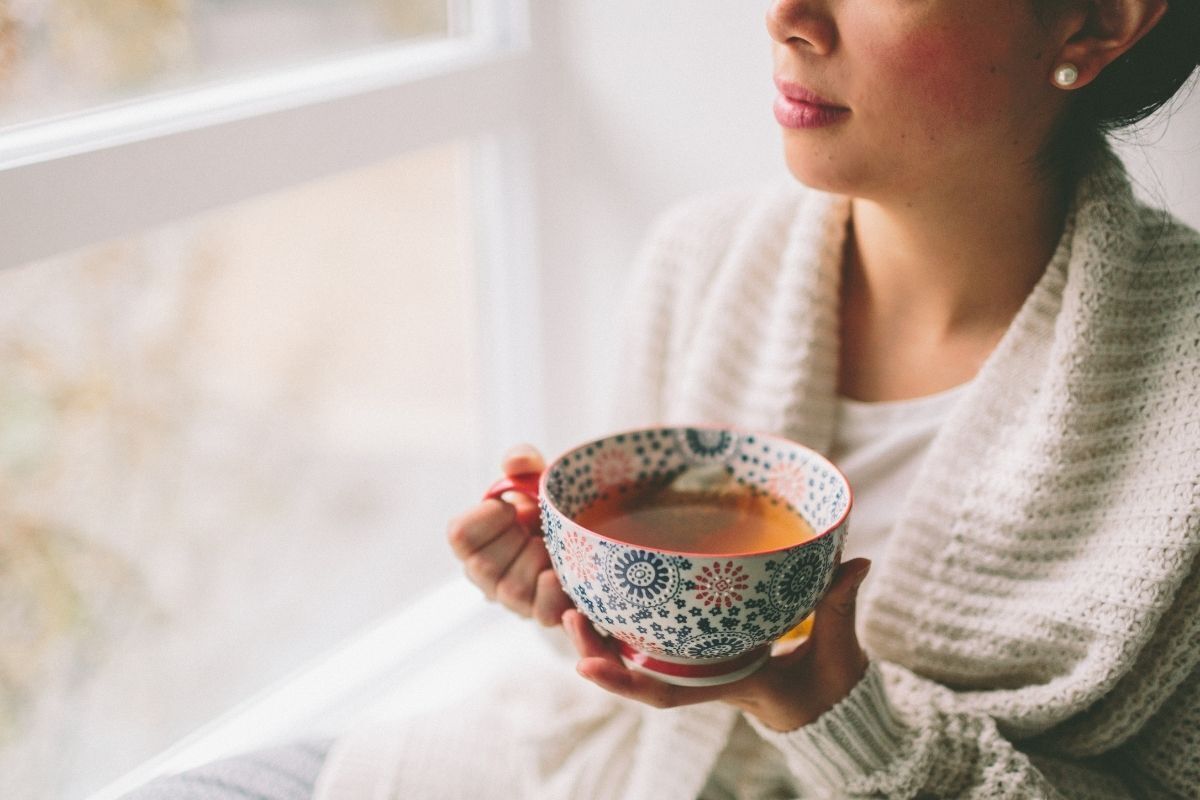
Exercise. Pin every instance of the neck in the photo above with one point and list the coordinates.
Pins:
(933, 280)
(950, 263)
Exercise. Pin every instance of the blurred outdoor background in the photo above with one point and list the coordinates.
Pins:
(231, 439)
(226, 443)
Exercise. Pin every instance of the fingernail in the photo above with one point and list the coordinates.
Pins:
(861, 576)
(572, 633)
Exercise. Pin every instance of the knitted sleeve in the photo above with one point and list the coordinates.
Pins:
(897, 735)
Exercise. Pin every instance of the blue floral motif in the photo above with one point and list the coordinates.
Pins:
(708, 442)
(797, 582)
(642, 578)
(704, 446)
(718, 645)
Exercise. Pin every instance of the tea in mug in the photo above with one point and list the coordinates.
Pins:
(713, 523)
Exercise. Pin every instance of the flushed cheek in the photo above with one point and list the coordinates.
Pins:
(940, 86)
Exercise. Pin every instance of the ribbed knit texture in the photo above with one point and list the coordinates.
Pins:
(1034, 622)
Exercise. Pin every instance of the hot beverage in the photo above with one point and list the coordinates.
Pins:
(713, 523)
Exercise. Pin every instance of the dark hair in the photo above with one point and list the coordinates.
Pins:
(1129, 89)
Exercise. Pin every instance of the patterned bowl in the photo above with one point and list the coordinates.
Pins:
(691, 618)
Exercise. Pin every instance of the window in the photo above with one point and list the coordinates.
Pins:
(247, 365)
(73, 54)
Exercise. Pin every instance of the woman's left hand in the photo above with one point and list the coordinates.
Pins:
(791, 690)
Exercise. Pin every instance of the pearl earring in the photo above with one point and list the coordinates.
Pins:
(1066, 75)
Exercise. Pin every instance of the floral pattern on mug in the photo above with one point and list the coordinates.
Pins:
(578, 556)
(797, 582)
(721, 584)
(641, 641)
(717, 645)
(787, 481)
(643, 578)
(612, 468)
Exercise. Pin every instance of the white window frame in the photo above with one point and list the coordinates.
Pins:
(241, 138)
(114, 171)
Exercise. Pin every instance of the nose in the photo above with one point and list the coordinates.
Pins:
(805, 24)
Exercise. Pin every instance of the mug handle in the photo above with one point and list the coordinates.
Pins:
(525, 483)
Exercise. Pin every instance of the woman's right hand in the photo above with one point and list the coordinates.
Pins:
(503, 557)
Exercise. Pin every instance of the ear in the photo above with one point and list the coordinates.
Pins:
(1094, 33)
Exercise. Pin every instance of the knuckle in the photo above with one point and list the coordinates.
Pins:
(550, 602)
(548, 583)
(456, 533)
(514, 595)
(484, 589)
(483, 571)
(504, 511)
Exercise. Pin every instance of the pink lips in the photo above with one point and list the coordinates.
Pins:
(800, 108)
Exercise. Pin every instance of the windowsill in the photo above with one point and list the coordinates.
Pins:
(424, 656)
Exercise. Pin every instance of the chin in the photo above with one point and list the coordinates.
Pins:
(822, 177)
(824, 170)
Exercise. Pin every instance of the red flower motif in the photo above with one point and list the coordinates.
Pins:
(641, 642)
(721, 585)
(787, 482)
(612, 468)
(577, 555)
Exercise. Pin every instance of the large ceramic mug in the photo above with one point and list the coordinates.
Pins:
(690, 618)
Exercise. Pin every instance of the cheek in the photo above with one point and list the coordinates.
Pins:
(940, 86)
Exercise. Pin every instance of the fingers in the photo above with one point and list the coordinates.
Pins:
(498, 554)
(599, 661)
(479, 527)
(506, 563)
(523, 459)
(833, 625)
(516, 587)
(588, 643)
(601, 664)
(549, 599)
(490, 564)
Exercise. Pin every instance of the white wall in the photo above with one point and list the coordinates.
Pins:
(646, 103)
(1163, 156)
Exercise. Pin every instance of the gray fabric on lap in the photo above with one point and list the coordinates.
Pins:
(288, 772)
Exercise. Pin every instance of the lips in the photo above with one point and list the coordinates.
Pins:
(799, 107)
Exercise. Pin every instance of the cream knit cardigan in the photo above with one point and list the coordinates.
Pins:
(1034, 624)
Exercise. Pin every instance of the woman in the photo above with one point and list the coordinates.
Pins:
(968, 310)
(1034, 577)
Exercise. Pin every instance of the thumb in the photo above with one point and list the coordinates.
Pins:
(521, 459)
(833, 624)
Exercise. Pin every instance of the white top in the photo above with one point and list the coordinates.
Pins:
(880, 447)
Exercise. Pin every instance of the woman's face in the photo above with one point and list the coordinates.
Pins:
(911, 93)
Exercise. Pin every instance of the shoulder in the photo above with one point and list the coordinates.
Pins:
(1132, 264)
(1129, 323)
(1125, 238)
